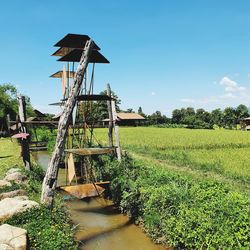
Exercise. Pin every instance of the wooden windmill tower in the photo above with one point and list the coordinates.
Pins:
(73, 128)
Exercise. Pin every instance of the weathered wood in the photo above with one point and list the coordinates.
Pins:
(93, 97)
(49, 182)
(90, 151)
(116, 131)
(24, 142)
(22, 109)
(8, 123)
(110, 131)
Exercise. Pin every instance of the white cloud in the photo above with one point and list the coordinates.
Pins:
(230, 85)
(153, 93)
(233, 94)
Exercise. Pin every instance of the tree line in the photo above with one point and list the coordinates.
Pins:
(184, 117)
(199, 118)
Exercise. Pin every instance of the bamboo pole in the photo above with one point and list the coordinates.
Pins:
(110, 131)
(50, 179)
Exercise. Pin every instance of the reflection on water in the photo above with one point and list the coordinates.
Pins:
(99, 225)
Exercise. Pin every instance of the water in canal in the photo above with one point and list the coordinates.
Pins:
(99, 224)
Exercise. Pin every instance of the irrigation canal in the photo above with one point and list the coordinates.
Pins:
(99, 225)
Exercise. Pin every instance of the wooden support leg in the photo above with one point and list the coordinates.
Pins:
(116, 131)
(110, 131)
(25, 142)
(49, 182)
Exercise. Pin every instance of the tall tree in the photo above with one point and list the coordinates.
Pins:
(229, 118)
(140, 112)
(8, 104)
(97, 111)
(129, 110)
(217, 117)
(177, 116)
(241, 112)
(190, 111)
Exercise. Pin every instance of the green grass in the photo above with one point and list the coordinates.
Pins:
(219, 152)
(46, 229)
(178, 209)
(9, 155)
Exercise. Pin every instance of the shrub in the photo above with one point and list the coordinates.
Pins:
(46, 229)
(182, 212)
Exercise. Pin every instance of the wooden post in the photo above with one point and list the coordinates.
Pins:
(110, 131)
(116, 130)
(49, 182)
(8, 123)
(23, 129)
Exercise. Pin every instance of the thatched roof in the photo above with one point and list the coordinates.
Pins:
(129, 116)
(246, 119)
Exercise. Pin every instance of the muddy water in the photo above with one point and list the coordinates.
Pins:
(99, 224)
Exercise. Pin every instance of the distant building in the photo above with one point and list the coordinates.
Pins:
(245, 123)
(127, 119)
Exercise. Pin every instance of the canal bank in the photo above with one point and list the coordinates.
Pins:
(99, 224)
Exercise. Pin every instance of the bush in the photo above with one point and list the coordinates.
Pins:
(46, 229)
(180, 211)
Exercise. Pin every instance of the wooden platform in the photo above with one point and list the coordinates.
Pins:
(84, 190)
(91, 151)
(38, 148)
(93, 98)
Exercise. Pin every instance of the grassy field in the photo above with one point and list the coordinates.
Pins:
(9, 155)
(46, 229)
(188, 188)
(220, 154)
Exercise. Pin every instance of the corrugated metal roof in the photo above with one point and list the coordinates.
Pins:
(130, 116)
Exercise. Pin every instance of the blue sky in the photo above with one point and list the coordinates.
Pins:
(164, 54)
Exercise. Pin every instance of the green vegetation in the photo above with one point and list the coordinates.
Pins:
(213, 152)
(187, 188)
(200, 118)
(196, 119)
(178, 209)
(9, 155)
(45, 134)
(8, 105)
(46, 229)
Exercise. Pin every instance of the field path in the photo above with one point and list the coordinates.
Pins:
(199, 174)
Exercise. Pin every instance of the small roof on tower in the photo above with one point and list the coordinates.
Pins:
(75, 56)
(74, 41)
(59, 74)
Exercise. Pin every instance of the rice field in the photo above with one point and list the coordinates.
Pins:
(222, 152)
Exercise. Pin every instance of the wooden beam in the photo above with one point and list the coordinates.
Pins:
(24, 142)
(49, 182)
(93, 97)
(90, 151)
